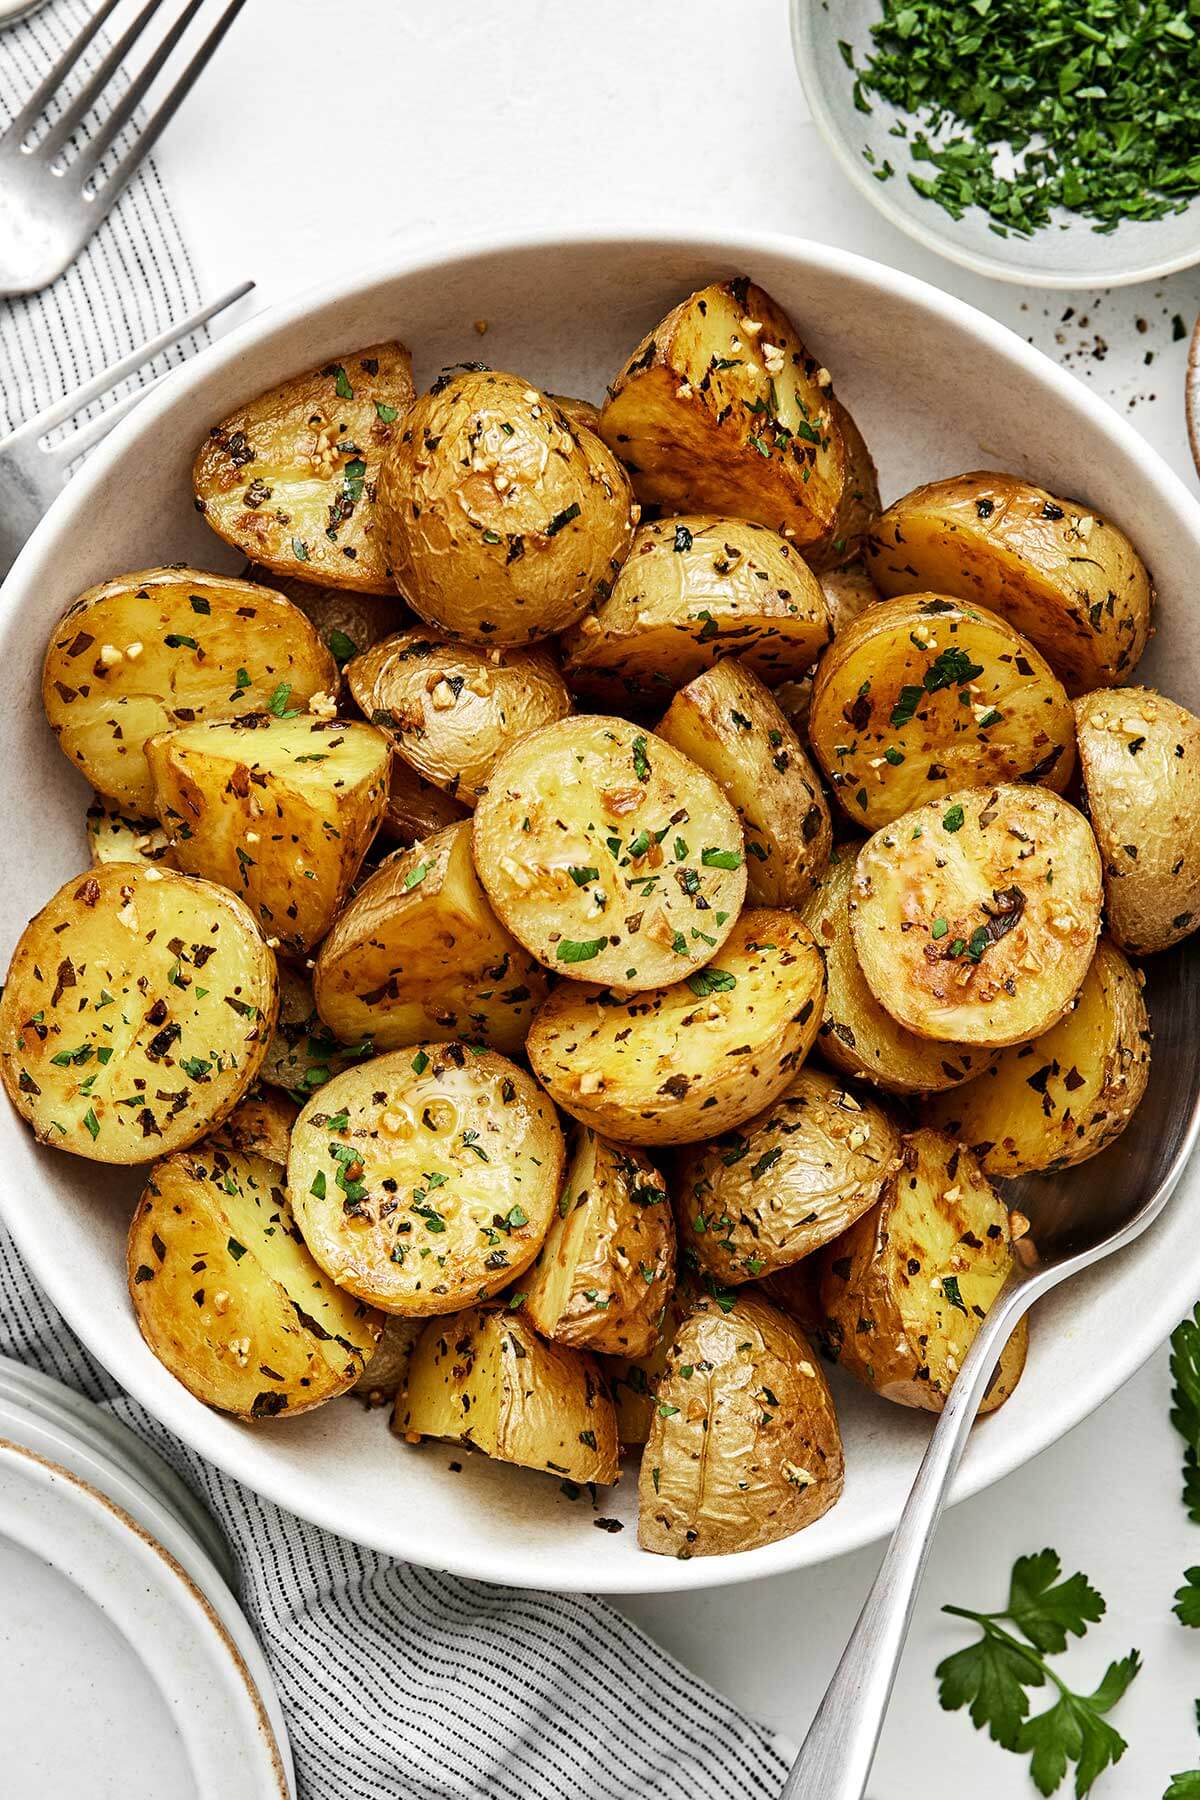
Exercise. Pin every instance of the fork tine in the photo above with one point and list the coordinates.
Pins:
(97, 148)
(32, 109)
(82, 103)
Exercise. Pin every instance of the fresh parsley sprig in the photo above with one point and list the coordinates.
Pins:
(1185, 1405)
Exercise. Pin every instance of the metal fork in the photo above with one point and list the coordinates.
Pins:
(51, 203)
(32, 472)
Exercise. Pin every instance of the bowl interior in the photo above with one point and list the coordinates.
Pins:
(938, 389)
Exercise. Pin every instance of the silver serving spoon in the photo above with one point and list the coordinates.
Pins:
(1078, 1217)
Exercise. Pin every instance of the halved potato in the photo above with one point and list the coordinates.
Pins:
(744, 1447)
(113, 837)
(609, 855)
(290, 479)
(387, 1371)
(303, 1053)
(418, 953)
(486, 1378)
(415, 808)
(1067, 578)
(858, 1036)
(722, 409)
(760, 1198)
(691, 591)
(260, 1125)
(226, 1295)
(681, 1063)
(280, 809)
(502, 519)
(975, 916)
(168, 647)
(425, 1181)
(1140, 757)
(607, 1266)
(1068, 1094)
(727, 723)
(860, 504)
(452, 710)
(634, 1380)
(922, 696)
(848, 592)
(905, 1288)
(348, 621)
(136, 1013)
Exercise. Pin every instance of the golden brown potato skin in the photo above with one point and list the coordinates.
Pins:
(580, 412)
(387, 1369)
(1140, 757)
(744, 1447)
(502, 519)
(347, 620)
(1067, 578)
(904, 1288)
(634, 1380)
(1067, 1095)
(848, 592)
(796, 1291)
(290, 478)
(260, 1125)
(860, 504)
(722, 409)
(761, 1198)
(415, 807)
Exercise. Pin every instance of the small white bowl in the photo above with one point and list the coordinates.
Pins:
(1068, 253)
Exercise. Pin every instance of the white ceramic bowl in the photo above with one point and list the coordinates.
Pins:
(1067, 253)
(938, 388)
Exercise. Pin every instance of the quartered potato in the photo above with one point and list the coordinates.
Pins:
(415, 808)
(858, 1036)
(260, 1125)
(691, 591)
(303, 1053)
(975, 916)
(425, 1181)
(136, 1013)
(1140, 757)
(1065, 577)
(487, 1379)
(905, 1288)
(744, 1447)
(860, 504)
(282, 809)
(502, 519)
(634, 1380)
(722, 409)
(607, 1267)
(387, 1371)
(113, 837)
(688, 1061)
(291, 478)
(418, 953)
(848, 592)
(452, 710)
(760, 1198)
(347, 620)
(226, 1295)
(726, 722)
(168, 647)
(1068, 1094)
(609, 855)
(922, 696)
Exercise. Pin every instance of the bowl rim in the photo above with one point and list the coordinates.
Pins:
(990, 1456)
(804, 16)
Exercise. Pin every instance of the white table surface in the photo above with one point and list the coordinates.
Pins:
(327, 131)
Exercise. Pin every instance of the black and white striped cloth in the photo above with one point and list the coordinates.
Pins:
(397, 1683)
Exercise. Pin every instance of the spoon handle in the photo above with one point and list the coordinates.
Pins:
(836, 1756)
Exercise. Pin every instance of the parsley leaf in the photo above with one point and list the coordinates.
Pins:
(1046, 1609)
(1185, 1406)
(1187, 1599)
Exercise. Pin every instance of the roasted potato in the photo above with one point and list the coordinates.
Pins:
(425, 1181)
(451, 710)
(904, 1289)
(303, 1053)
(226, 1295)
(796, 1291)
(760, 1198)
(685, 1062)
(418, 953)
(726, 722)
(347, 621)
(722, 409)
(282, 809)
(922, 696)
(848, 592)
(113, 837)
(858, 1036)
(387, 1371)
(976, 915)
(290, 479)
(260, 1125)
(502, 519)
(744, 1446)
(143, 653)
(691, 591)
(609, 855)
(486, 1378)
(1066, 578)
(1140, 757)
(634, 1380)
(136, 1013)
(1068, 1094)
(415, 808)
(580, 412)
(860, 504)
(607, 1266)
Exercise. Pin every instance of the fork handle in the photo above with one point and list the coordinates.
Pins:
(836, 1756)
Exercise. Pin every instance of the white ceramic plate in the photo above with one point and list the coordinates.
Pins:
(938, 388)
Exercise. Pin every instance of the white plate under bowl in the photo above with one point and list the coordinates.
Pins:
(1066, 253)
(938, 388)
